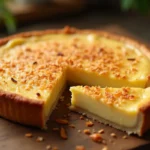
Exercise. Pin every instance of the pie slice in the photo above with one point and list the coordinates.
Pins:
(35, 66)
(124, 108)
(29, 92)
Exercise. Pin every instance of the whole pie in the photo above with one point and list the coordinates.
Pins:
(113, 73)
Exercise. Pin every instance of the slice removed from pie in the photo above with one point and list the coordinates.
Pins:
(124, 108)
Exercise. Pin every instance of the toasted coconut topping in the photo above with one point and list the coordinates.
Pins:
(13, 80)
(38, 94)
(110, 95)
(38, 62)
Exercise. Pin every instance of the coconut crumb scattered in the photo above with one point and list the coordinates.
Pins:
(62, 121)
(48, 147)
(105, 148)
(104, 142)
(84, 114)
(89, 124)
(87, 131)
(40, 139)
(96, 137)
(113, 135)
(101, 131)
(55, 129)
(29, 135)
(71, 125)
(55, 148)
(63, 133)
(125, 137)
(80, 147)
(79, 131)
(93, 130)
(81, 118)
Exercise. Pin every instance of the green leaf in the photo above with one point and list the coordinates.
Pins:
(10, 23)
(2, 4)
(126, 4)
(9, 20)
(143, 6)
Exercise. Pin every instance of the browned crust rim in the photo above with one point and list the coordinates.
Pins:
(23, 110)
(70, 30)
(17, 103)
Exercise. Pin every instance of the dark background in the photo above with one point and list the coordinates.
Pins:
(93, 14)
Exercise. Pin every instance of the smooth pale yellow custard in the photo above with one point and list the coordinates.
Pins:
(120, 106)
(38, 67)
(85, 56)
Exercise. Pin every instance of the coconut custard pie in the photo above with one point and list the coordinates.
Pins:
(35, 67)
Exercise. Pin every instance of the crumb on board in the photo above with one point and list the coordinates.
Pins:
(63, 133)
(71, 125)
(101, 131)
(48, 147)
(29, 135)
(96, 137)
(39, 139)
(87, 131)
(62, 121)
(80, 147)
(113, 135)
(105, 148)
(55, 129)
(89, 124)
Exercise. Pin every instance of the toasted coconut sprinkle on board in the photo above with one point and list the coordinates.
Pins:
(62, 121)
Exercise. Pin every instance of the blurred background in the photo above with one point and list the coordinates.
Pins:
(125, 17)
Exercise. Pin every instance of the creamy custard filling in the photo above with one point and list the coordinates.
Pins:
(56, 92)
(127, 119)
(118, 62)
(124, 112)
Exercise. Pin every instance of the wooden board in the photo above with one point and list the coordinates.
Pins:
(12, 134)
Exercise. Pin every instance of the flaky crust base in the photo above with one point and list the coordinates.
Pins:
(22, 110)
(138, 129)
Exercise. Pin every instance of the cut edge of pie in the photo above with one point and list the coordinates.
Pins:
(28, 111)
